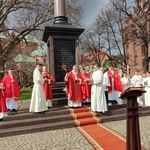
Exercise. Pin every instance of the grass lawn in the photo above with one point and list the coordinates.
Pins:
(25, 93)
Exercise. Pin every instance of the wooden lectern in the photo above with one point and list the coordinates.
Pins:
(133, 141)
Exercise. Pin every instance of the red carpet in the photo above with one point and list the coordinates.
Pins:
(100, 137)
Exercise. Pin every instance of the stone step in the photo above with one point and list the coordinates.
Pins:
(54, 108)
(59, 95)
(36, 128)
(59, 117)
(25, 114)
(62, 101)
(24, 122)
(122, 109)
(120, 116)
(34, 121)
(59, 89)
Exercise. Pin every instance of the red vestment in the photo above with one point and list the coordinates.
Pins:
(47, 85)
(3, 107)
(117, 82)
(86, 87)
(74, 88)
(12, 89)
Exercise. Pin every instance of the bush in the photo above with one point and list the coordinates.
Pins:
(25, 94)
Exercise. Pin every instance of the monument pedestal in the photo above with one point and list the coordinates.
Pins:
(63, 45)
(133, 132)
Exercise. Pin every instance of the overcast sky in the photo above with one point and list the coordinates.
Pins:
(91, 8)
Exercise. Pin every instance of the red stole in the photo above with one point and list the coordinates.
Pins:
(117, 82)
(86, 87)
(47, 86)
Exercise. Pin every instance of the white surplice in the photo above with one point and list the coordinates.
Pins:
(106, 81)
(137, 81)
(98, 99)
(38, 102)
(125, 82)
(113, 95)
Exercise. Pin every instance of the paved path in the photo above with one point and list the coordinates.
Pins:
(65, 139)
(120, 127)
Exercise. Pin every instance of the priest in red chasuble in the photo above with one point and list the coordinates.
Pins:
(12, 90)
(73, 81)
(3, 108)
(86, 87)
(48, 80)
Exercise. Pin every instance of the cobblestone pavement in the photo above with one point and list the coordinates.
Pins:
(65, 139)
(120, 127)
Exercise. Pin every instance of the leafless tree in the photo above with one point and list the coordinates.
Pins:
(106, 33)
(19, 18)
(92, 43)
(74, 12)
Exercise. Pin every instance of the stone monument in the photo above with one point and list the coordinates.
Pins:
(63, 43)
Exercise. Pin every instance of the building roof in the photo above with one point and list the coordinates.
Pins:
(23, 58)
(38, 52)
(30, 38)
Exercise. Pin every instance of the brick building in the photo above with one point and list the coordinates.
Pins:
(135, 48)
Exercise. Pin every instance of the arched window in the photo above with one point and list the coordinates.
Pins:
(44, 60)
(127, 50)
(136, 60)
(37, 60)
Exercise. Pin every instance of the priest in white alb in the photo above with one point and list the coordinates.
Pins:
(38, 102)
(98, 99)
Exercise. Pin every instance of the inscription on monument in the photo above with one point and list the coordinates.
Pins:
(64, 54)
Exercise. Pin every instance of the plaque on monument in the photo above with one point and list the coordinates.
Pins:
(64, 54)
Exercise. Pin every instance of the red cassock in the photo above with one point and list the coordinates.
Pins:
(47, 85)
(11, 88)
(74, 88)
(86, 87)
(117, 82)
(3, 107)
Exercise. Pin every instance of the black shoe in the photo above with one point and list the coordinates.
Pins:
(107, 113)
(14, 110)
(1, 119)
(114, 102)
(42, 112)
(49, 107)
